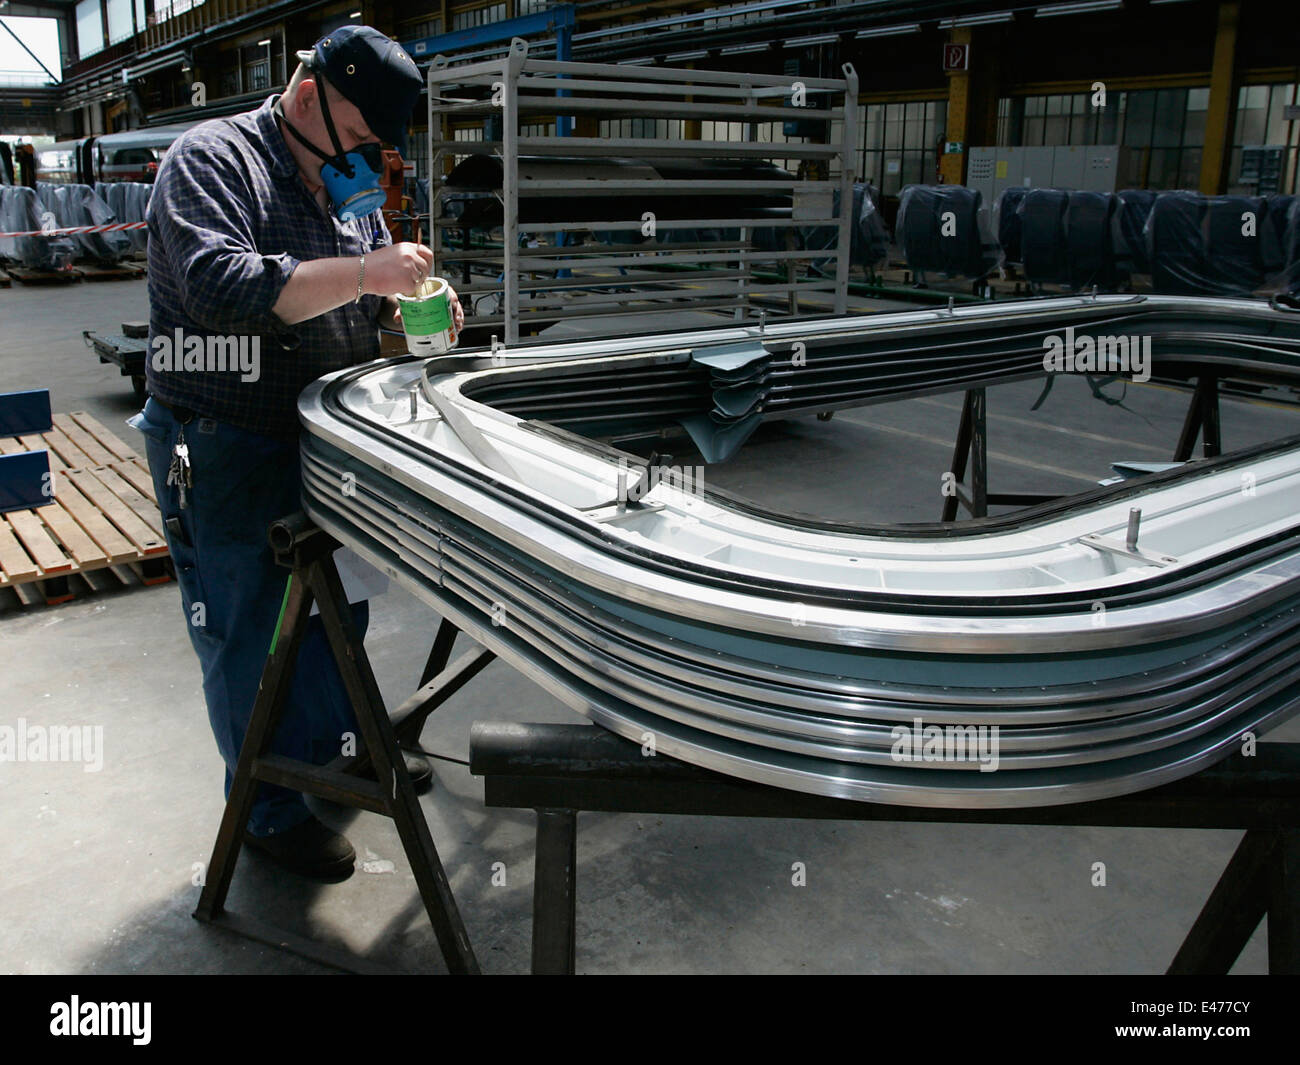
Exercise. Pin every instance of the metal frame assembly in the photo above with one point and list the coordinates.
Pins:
(314, 580)
(560, 770)
(1100, 653)
(707, 197)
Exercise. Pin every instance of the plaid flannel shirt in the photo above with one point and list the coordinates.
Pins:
(229, 220)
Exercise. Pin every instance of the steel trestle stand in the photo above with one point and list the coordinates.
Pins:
(308, 552)
(562, 770)
(972, 446)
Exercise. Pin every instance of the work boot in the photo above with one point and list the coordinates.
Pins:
(310, 849)
(417, 768)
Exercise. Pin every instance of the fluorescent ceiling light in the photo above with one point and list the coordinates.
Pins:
(635, 62)
(263, 44)
(982, 20)
(737, 49)
(687, 55)
(889, 31)
(1080, 8)
(817, 38)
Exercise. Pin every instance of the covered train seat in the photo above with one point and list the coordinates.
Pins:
(1068, 237)
(21, 212)
(79, 205)
(1135, 209)
(939, 229)
(1210, 245)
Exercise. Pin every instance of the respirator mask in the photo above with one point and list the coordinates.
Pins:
(351, 179)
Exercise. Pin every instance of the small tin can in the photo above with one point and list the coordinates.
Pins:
(426, 318)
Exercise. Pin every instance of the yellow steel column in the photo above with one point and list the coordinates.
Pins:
(1222, 107)
(953, 167)
(692, 128)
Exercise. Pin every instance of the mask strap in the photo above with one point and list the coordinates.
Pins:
(333, 160)
(329, 124)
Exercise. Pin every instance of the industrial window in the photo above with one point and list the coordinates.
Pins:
(479, 16)
(1163, 128)
(165, 9)
(419, 28)
(465, 133)
(90, 29)
(734, 16)
(901, 143)
(257, 75)
(119, 20)
(649, 128)
(417, 152)
(1261, 122)
(41, 35)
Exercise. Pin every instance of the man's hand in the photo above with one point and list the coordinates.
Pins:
(320, 285)
(397, 268)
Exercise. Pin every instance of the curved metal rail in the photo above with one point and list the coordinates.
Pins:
(826, 657)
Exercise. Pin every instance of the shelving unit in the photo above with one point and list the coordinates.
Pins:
(549, 267)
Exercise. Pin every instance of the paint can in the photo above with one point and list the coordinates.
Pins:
(426, 318)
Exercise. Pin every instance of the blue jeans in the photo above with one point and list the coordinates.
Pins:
(232, 589)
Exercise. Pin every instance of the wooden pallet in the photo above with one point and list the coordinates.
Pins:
(895, 275)
(104, 513)
(80, 585)
(123, 271)
(1010, 288)
(25, 276)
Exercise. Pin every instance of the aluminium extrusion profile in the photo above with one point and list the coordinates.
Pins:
(792, 652)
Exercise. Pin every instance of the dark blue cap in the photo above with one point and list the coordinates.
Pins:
(372, 71)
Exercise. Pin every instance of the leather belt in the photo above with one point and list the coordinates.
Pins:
(182, 414)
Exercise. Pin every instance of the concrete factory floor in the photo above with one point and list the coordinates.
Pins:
(98, 866)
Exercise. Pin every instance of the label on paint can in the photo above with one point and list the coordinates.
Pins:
(426, 318)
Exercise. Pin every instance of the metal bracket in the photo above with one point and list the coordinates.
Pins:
(608, 513)
(624, 505)
(1129, 548)
(1114, 547)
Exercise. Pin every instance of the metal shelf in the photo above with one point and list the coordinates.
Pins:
(539, 264)
(713, 274)
(576, 105)
(635, 223)
(595, 249)
(633, 147)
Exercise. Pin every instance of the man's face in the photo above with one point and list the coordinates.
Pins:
(305, 113)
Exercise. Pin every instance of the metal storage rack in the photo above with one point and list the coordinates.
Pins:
(559, 278)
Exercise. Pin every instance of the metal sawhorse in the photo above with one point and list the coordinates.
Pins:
(559, 770)
(308, 551)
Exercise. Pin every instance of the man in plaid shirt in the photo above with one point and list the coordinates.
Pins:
(260, 251)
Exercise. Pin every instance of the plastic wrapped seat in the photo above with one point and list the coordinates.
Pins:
(1090, 244)
(21, 211)
(128, 201)
(1279, 208)
(1042, 236)
(1236, 262)
(78, 205)
(1174, 244)
(1006, 222)
(1134, 210)
(1208, 245)
(925, 212)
